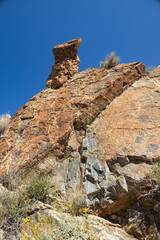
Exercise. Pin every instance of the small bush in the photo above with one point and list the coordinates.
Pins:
(38, 189)
(10, 181)
(13, 209)
(111, 61)
(15, 200)
(156, 171)
(4, 122)
(78, 207)
(149, 68)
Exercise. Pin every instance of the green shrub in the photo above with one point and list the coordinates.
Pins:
(38, 189)
(15, 200)
(111, 61)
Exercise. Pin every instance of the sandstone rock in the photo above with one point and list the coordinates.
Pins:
(66, 63)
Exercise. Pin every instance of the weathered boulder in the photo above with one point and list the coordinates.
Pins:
(66, 63)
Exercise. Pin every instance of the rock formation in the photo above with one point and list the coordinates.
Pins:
(52, 117)
(66, 63)
(96, 132)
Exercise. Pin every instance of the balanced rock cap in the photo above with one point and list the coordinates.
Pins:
(68, 49)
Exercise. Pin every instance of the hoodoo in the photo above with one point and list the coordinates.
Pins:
(66, 63)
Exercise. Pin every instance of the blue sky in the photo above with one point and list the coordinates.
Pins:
(29, 29)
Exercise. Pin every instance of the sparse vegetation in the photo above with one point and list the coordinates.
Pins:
(149, 68)
(38, 189)
(4, 122)
(16, 201)
(111, 61)
(78, 207)
(56, 227)
(10, 181)
(13, 209)
(156, 172)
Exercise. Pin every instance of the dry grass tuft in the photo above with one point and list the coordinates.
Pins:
(111, 61)
(156, 171)
(4, 122)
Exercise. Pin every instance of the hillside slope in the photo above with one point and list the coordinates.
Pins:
(95, 132)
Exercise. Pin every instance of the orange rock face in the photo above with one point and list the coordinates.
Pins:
(42, 127)
(66, 63)
(131, 123)
(127, 134)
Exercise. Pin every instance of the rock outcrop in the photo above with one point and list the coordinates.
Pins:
(127, 134)
(66, 63)
(48, 121)
(95, 132)
(90, 226)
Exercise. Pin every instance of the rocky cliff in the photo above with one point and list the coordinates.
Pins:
(95, 132)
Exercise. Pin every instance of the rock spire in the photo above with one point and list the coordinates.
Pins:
(66, 63)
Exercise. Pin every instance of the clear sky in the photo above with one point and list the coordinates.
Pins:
(29, 29)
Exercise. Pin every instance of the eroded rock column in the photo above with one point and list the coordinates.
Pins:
(66, 63)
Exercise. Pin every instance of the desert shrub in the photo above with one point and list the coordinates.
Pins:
(111, 61)
(10, 181)
(149, 68)
(4, 122)
(38, 189)
(13, 209)
(156, 171)
(78, 207)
